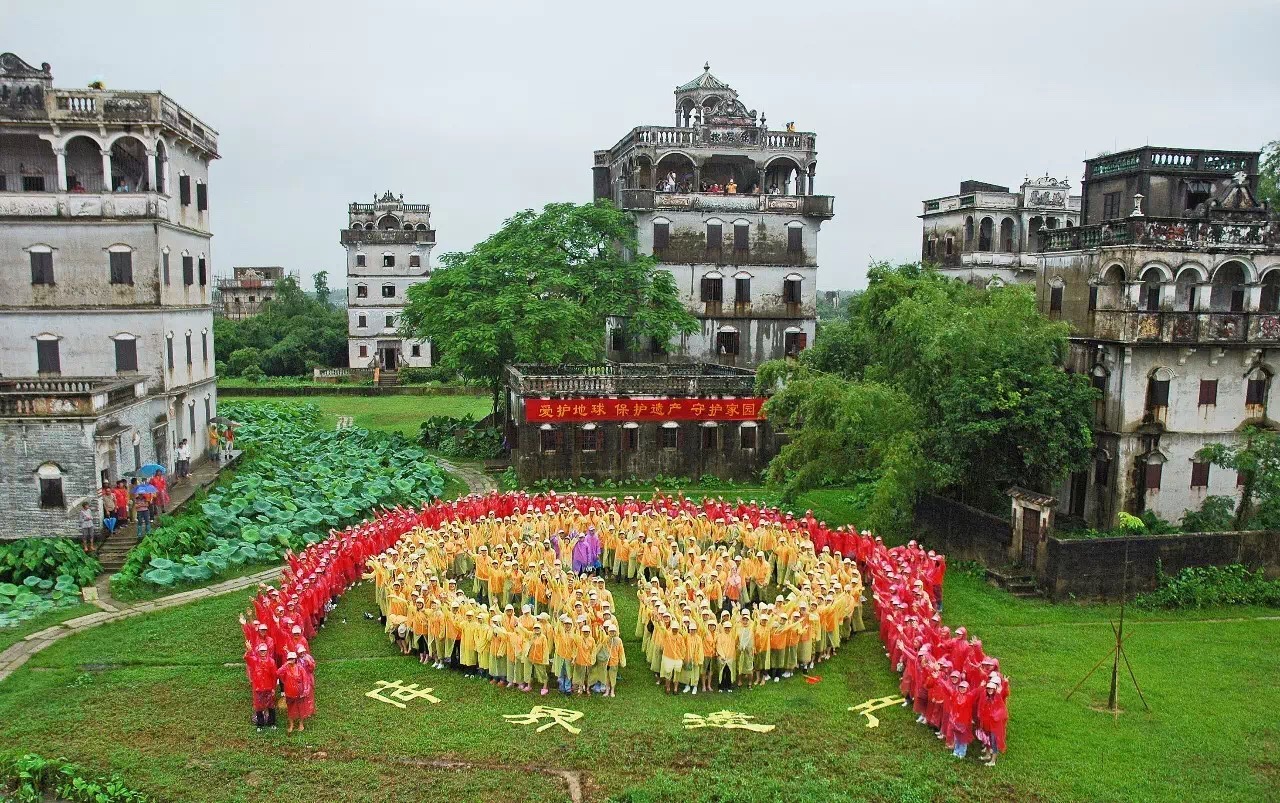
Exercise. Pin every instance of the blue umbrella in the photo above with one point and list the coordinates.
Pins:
(150, 469)
(145, 488)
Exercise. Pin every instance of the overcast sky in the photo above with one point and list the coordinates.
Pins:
(485, 108)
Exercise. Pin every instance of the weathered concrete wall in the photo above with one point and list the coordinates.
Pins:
(962, 532)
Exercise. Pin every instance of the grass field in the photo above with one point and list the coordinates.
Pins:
(401, 414)
(162, 699)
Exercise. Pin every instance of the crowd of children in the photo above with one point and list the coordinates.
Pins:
(510, 587)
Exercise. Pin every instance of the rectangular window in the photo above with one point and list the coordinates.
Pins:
(1199, 475)
(1111, 206)
(188, 270)
(1153, 298)
(202, 271)
(1208, 391)
(388, 260)
(548, 440)
(1099, 380)
(794, 239)
(168, 348)
(51, 493)
(631, 438)
(164, 266)
(415, 260)
(126, 355)
(204, 346)
(388, 291)
(794, 342)
(364, 351)
(391, 322)
(359, 260)
(47, 361)
(1158, 393)
(121, 267)
(361, 322)
(951, 246)
(712, 289)
(1237, 300)
(1093, 298)
(668, 437)
(791, 291)
(1055, 299)
(415, 350)
(741, 234)
(362, 291)
(1153, 476)
(184, 190)
(727, 342)
(661, 237)
(1191, 298)
(41, 267)
(617, 339)
(1256, 392)
(747, 437)
(741, 291)
(589, 440)
(715, 237)
(33, 183)
(929, 248)
(202, 197)
(191, 417)
(708, 437)
(188, 350)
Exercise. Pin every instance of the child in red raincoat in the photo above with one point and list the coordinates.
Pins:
(993, 717)
(294, 679)
(261, 669)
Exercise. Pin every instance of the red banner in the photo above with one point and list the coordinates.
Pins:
(555, 411)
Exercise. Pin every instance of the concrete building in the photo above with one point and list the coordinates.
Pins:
(243, 294)
(620, 420)
(1171, 286)
(727, 207)
(388, 246)
(985, 233)
(106, 329)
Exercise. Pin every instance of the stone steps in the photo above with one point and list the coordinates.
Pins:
(1014, 580)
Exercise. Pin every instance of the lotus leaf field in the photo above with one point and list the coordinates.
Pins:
(296, 483)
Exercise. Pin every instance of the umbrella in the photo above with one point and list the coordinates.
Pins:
(74, 507)
(222, 419)
(150, 469)
(145, 488)
(129, 474)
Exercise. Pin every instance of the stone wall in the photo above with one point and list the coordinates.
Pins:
(1094, 568)
(962, 532)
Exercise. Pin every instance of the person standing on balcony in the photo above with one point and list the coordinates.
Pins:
(732, 187)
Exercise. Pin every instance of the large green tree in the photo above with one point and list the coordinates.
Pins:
(540, 290)
(983, 371)
(292, 334)
(1256, 458)
(1269, 174)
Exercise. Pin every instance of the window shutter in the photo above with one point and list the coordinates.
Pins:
(661, 235)
(715, 237)
(41, 268)
(1256, 392)
(169, 351)
(204, 346)
(202, 197)
(203, 272)
(188, 271)
(1055, 299)
(1199, 475)
(742, 291)
(1159, 393)
(1093, 298)
(164, 265)
(126, 355)
(740, 237)
(1208, 391)
(47, 361)
(794, 235)
(121, 267)
(184, 190)
(1153, 476)
(1101, 472)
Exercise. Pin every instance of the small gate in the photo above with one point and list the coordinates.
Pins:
(1030, 536)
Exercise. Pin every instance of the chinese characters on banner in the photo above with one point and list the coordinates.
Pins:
(554, 411)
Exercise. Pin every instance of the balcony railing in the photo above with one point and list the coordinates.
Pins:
(388, 206)
(631, 379)
(645, 200)
(85, 205)
(388, 237)
(1176, 233)
(1174, 159)
(66, 397)
(1140, 326)
(113, 106)
(714, 137)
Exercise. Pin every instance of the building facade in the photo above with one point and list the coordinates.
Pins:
(106, 327)
(985, 233)
(243, 294)
(622, 420)
(728, 209)
(1171, 286)
(388, 244)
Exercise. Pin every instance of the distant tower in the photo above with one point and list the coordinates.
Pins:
(727, 207)
(388, 246)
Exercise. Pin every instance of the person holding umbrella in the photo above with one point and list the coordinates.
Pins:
(88, 524)
(143, 500)
(162, 492)
(214, 437)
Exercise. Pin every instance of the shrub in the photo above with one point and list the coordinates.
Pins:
(461, 438)
(1203, 586)
(1216, 514)
(31, 778)
(46, 559)
(254, 374)
(241, 359)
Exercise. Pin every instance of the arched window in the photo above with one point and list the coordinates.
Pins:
(422, 227)
(1149, 292)
(41, 257)
(162, 163)
(1158, 391)
(795, 237)
(715, 236)
(408, 227)
(1186, 288)
(1154, 470)
(1270, 300)
(792, 289)
(1227, 291)
(1033, 233)
(1111, 288)
(968, 232)
(126, 348)
(1257, 388)
(984, 234)
(388, 223)
(49, 479)
(1006, 234)
(120, 263)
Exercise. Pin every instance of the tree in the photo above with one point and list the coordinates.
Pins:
(540, 290)
(1269, 174)
(983, 370)
(321, 280)
(1256, 458)
(241, 359)
(294, 333)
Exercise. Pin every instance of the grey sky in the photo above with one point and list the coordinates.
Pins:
(485, 108)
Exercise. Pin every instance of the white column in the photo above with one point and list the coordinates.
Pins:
(151, 169)
(106, 170)
(61, 155)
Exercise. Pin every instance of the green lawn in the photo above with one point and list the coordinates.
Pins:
(400, 414)
(162, 700)
(12, 635)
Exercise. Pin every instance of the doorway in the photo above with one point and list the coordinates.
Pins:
(389, 358)
(1030, 536)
